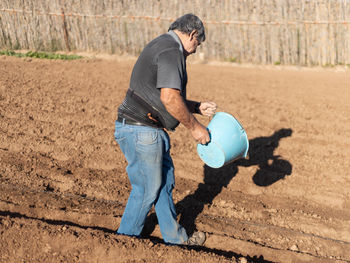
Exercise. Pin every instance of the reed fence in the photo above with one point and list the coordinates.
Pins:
(306, 32)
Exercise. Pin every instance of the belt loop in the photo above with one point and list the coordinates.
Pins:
(123, 121)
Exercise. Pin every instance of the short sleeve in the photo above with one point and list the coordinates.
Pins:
(170, 69)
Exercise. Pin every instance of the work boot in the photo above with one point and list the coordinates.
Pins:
(197, 239)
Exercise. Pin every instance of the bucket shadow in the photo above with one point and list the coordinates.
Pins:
(271, 168)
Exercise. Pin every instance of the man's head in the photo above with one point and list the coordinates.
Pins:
(191, 31)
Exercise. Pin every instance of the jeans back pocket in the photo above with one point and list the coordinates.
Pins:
(147, 137)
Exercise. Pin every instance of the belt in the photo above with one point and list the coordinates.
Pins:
(133, 122)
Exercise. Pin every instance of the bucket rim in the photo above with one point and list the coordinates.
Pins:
(242, 128)
(230, 116)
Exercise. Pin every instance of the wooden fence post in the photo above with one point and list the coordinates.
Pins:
(64, 28)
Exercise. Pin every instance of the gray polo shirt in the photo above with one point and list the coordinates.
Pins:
(172, 66)
(161, 64)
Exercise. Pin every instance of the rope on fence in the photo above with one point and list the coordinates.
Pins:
(158, 18)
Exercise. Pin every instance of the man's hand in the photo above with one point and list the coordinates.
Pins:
(200, 134)
(208, 108)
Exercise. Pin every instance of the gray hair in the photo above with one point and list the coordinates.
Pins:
(187, 23)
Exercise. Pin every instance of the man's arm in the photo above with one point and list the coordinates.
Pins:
(176, 106)
(206, 108)
(193, 106)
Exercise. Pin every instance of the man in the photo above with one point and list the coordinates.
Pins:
(155, 101)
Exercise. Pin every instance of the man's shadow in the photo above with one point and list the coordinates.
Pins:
(271, 168)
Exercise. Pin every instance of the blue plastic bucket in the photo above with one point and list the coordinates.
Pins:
(228, 142)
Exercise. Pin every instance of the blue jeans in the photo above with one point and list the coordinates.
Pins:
(151, 173)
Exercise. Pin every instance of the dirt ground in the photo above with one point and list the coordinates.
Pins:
(64, 186)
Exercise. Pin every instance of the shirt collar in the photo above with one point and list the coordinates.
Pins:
(177, 39)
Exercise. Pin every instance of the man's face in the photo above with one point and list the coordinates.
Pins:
(191, 43)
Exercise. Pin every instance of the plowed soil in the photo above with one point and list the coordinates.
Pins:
(64, 186)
